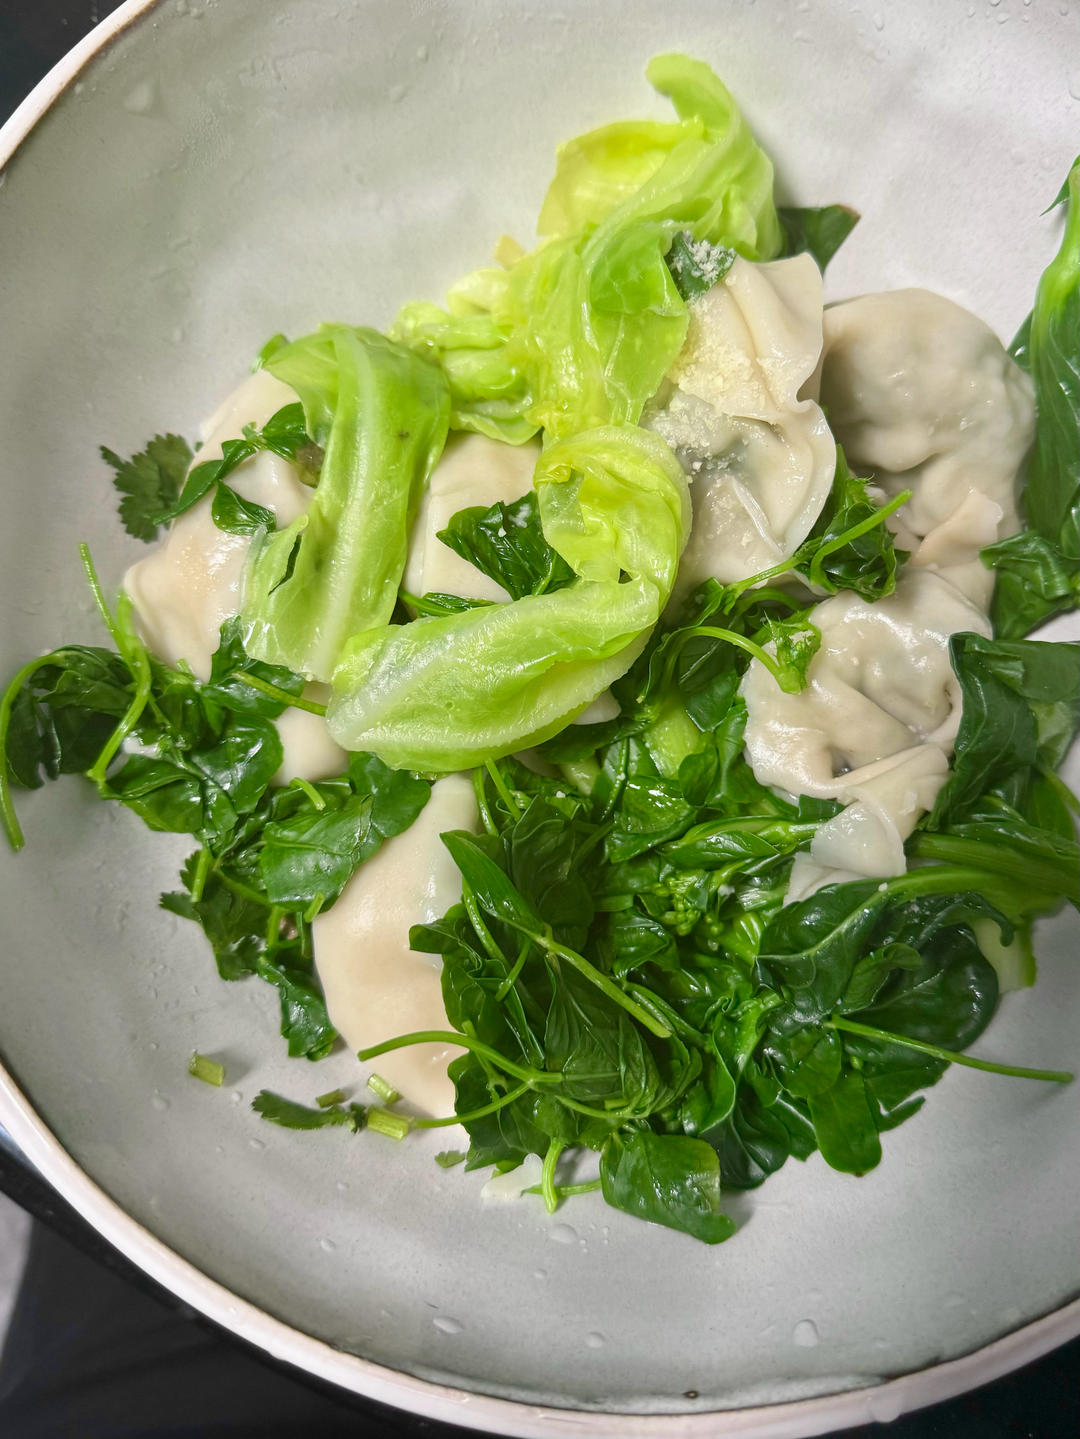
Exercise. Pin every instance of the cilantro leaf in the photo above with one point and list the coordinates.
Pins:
(290, 1115)
(149, 482)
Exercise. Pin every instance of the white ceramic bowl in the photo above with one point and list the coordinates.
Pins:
(197, 175)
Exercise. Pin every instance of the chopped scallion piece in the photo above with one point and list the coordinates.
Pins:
(208, 1070)
(394, 1126)
(383, 1088)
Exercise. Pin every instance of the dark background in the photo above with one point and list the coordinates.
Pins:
(98, 1350)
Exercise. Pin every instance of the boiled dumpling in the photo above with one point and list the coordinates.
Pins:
(192, 581)
(474, 471)
(876, 722)
(737, 411)
(376, 986)
(922, 393)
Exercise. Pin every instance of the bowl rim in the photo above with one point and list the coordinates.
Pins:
(795, 1419)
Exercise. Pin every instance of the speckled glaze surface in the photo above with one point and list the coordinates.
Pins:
(217, 172)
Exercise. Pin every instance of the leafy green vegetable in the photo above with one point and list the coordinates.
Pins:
(1021, 711)
(149, 482)
(290, 1115)
(580, 332)
(237, 516)
(821, 230)
(622, 973)
(381, 414)
(668, 1179)
(845, 1126)
(614, 505)
(283, 433)
(1038, 570)
(850, 547)
(695, 265)
(305, 1024)
(1035, 581)
(507, 542)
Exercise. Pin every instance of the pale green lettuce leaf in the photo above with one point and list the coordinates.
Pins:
(581, 331)
(599, 170)
(451, 691)
(381, 413)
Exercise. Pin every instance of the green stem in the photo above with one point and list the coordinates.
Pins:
(297, 702)
(99, 597)
(483, 934)
(463, 1041)
(203, 866)
(567, 1191)
(547, 1178)
(855, 532)
(309, 789)
(512, 978)
(867, 1031)
(999, 860)
(481, 1113)
(243, 890)
(480, 790)
(939, 879)
(739, 641)
(1065, 794)
(603, 983)
(773, 595)
(134, 655)
(734, 592)
(273, 927)
(501, 788)
(12, 828)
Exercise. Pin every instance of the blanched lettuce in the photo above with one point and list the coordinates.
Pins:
(581, 331)
(449, 692)
(381, 413)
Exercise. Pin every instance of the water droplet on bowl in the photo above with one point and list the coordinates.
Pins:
(884, 1408)
(159, 1102)
(595, 1340)
(1074, 84)
(805, 1334)
(141, 98)
(539, 1273)
(422, 52)
(397, 92)
(447, 1325)
(564, 1234)
(327, 1246)
(256, 1144)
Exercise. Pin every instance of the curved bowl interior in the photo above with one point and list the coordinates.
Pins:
(223, 171)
